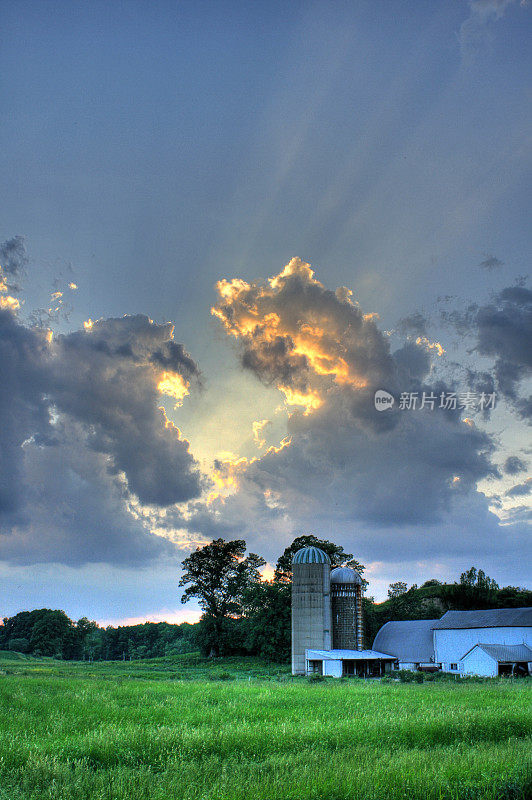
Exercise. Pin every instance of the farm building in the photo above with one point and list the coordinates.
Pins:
(326, 610)
(497, 659)
(327, 631)
(339, 663)
(495, 641)
(457, 632)
(410, 641)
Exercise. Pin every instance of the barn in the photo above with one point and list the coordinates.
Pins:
(410, 641)
(345, 663)
(497, 659)
(457, 632)
(490, 642)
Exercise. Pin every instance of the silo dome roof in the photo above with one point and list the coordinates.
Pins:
(311, 555)
(345, 575)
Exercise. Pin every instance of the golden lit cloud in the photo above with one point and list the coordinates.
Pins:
(299, 336)
(7, 301)
(310, 401)
(173, 385)
(436, 346)
(258, 430)
(228, 471)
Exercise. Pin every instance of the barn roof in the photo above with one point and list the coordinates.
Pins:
(487, 618)
(409, 640)
(505, 652)
(348, 655)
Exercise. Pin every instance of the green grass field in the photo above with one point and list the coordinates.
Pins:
(176, 729)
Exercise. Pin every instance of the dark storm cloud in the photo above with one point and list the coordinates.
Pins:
(381, 467)
(413, 324)
(491, 262)
(75, 512)
(520, 489)
(94, 391)
(413, 362)
(13, 257)
(502, 330)
(514, 465)
(24, 411)
(104, 378)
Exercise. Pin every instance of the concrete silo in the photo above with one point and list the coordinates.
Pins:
(346, 603)
(311, 604)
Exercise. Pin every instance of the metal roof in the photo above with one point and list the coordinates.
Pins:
(347, 655)
(505, 652)
(311, 555)
(345, 575)
(409, 640)
(488, 618)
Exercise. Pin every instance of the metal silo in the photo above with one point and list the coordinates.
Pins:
(311, 604)
(346, 602)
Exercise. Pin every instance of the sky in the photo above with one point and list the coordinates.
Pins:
(226, 229)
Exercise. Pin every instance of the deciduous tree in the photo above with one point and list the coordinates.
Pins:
(218, 575)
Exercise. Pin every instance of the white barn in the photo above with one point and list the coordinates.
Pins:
(496, 641)
(457, 632)
(497, 659)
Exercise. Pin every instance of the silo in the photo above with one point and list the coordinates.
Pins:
(346, 602)
(311, 604)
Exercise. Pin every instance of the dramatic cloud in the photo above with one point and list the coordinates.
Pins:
(75, 512)
(503, 331)
(94, 392)
(491, 262)
(514, 465)
(304, 338)
(413, 324)
(520, 489)
(13, 257)
(342, 456)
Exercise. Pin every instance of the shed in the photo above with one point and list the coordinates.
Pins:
(339, 663)
(492, 660)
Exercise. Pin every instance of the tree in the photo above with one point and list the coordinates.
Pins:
(397, 589)
(219, 575)
(53, 635)
(337, 554)
(268, 620)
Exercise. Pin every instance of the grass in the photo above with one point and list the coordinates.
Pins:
(160, 729)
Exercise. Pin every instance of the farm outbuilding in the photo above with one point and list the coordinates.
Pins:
(341, 663)
(497, 659)
(327, 631)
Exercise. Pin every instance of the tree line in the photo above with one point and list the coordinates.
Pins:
(242, 614)
(46, 632)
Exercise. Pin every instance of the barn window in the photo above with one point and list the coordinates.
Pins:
(454, 666)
